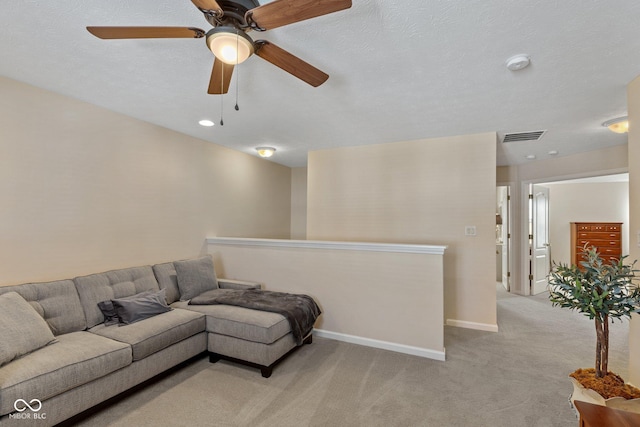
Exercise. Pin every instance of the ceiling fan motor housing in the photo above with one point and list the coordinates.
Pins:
(234, 13)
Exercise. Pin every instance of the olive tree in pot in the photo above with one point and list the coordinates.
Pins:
(604, 292)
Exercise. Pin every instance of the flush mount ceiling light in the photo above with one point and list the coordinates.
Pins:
(230, 45)
(518, 62)
(619, 125)
(265, 151)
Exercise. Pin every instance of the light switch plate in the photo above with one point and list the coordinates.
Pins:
(470, 230)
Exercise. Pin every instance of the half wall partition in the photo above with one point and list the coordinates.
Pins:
(376, 294)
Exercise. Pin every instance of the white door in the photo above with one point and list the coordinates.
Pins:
(506, 232)
(502, 235)
(540, 259)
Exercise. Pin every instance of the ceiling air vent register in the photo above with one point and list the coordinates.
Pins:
(523, 136)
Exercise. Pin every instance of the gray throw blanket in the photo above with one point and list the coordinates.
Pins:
(300, 310)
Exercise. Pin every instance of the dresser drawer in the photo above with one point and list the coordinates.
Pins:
(591, 235)
(598, 227)
(606, 259)
(603, 251)
(606, 249)
(597, 243)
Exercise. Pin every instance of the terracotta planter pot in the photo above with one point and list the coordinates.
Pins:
(590, 396)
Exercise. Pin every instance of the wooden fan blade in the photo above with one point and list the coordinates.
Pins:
(146, 32)
(290, 63)
(220, 78)
(207, 5)
(284, 12)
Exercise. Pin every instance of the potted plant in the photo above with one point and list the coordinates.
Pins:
(604, 292)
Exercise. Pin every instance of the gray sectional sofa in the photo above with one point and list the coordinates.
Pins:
(78, 361)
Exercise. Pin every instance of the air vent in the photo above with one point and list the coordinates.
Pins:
(523, 136)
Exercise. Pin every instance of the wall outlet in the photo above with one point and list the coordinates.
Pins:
(469, 230)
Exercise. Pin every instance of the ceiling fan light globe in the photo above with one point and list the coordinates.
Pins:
(230, 45)
(228, 54)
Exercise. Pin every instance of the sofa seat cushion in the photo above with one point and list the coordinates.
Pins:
(251, 325)
(154, 333)
(74, 359)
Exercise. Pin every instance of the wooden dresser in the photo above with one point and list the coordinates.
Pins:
(606, 236)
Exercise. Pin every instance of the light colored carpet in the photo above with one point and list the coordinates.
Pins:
(517, 377)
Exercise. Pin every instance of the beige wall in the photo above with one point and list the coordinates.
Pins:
(299, 203)
(575, 202)
(422, 192)
(633, 98)
(84, 189)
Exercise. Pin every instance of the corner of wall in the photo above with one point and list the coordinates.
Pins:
(633, 99)
(299, 203)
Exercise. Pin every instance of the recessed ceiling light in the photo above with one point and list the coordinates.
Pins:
(518, 62)
(553, 152)
(207, 123)
(530, 156)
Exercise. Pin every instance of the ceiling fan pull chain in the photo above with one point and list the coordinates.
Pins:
(222, 97)
(237, 73)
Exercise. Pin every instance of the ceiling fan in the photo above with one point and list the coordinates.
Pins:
(229, 41)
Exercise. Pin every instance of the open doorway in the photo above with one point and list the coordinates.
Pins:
(595, 199)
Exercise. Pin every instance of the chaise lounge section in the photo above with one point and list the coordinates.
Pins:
(85, 361)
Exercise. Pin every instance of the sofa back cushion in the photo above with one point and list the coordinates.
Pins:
(23, 329)
(110, 285)
(195, 276)
(57, 303)
(168, 280)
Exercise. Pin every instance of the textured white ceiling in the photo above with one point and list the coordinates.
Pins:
(398, 71)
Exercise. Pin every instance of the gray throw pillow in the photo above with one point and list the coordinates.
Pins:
(195, 276)
(109, 311)
(23, 330)
(141, 306)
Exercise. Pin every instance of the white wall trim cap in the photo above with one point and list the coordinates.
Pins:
(322, 244)
(385, 345)
(472, 325)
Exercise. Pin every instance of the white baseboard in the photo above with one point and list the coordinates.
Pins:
(385, 345)
(472, 325)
